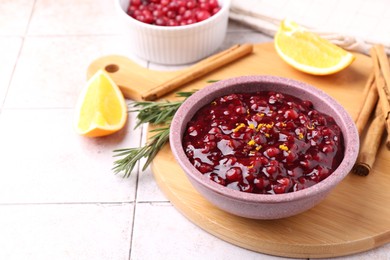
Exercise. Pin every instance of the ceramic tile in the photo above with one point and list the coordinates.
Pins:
(244, 37)
(373, 8)
(76, 231)
(361, 28)
(14, 16)
(161, 232)
(234, 26)
(381, 34)
(311, 17)
(59, 198)
(8, 59)
(296, 8)
(42, 160)
(276, 4)
(338, 22)
(74, 17)
(148, 190)
(52, 70)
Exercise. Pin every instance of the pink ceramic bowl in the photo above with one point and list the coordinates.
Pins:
(264, 206)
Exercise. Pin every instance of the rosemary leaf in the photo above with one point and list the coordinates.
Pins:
(159, 140)
(185, 94)
(159, 112)
(154, 113)
(132, 155)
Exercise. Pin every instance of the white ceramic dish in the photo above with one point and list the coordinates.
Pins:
(175, 45)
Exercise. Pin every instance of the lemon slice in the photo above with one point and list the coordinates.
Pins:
(101, 108)
(308, 52)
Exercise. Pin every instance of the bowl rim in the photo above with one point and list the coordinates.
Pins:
(225, 8)
(351, 144)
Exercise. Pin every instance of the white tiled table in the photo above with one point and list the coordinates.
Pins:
(58, 196)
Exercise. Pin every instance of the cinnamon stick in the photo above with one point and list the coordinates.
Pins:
(214, 62)
(370, 145)
(368, 107)
(382, 79)
(376, 89)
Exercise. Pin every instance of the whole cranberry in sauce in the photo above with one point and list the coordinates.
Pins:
(172, 12)
(264, 142)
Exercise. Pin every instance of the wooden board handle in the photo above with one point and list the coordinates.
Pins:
(216, 61)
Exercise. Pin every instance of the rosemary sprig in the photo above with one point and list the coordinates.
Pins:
(154, 113)
(132, 155)
(157, 112)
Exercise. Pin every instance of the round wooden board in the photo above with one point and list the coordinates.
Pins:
(355, 217)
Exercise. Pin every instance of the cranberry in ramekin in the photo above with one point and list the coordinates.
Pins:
(172, 12)
(278, 150)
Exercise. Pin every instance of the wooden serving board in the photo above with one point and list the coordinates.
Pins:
(355, 217)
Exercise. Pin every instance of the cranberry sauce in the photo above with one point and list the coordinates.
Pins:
(172, 12)
(263, 142)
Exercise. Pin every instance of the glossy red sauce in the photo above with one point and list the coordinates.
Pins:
(266, 143)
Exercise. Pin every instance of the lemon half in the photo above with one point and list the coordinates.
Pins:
(308, 52)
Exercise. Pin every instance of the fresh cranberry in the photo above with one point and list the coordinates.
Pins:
(265, 142)
(202, 15)
(204, 168)
(261, 183)
(291, 114)
(272, 152)
(205, 6)
(214, 177)
(234, 174)
(172, 12)
(282, 185)
(213, 3)
(135, 2)
(191, 4)
(291, 157)
(246, 187)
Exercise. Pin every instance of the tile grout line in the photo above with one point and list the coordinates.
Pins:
(73, 35)
(29, 19)
(18, 56)
(39, 108)
(154, 202)
(141, 142)
(67, 203)
(12, 74)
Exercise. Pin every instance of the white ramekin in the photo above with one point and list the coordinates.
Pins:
(175, 45)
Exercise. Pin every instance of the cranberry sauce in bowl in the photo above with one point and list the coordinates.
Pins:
(263, 147)
(263, 142)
